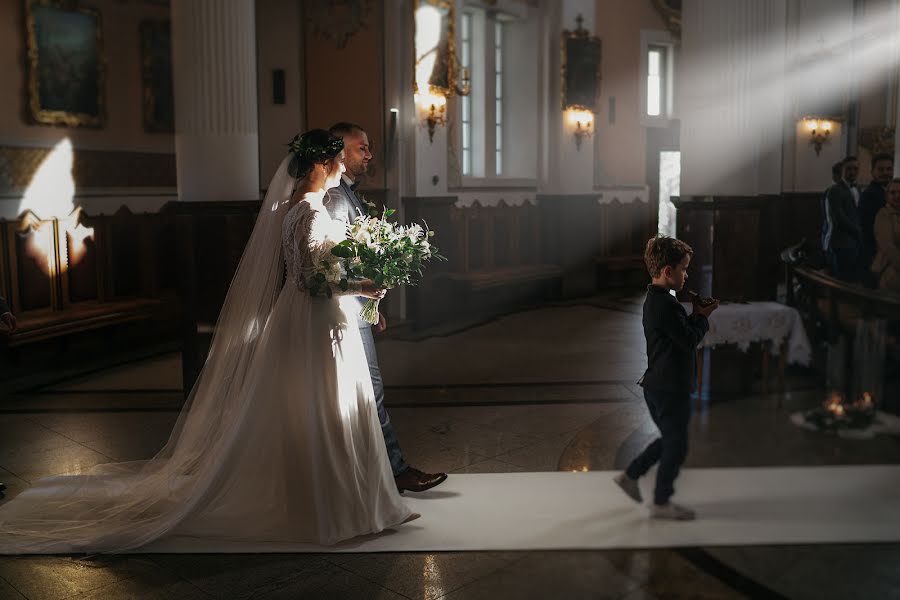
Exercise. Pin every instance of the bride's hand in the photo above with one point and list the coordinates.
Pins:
(368, 289)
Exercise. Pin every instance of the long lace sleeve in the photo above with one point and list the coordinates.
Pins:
(309, 235)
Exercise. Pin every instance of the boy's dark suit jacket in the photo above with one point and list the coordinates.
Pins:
(672, 338)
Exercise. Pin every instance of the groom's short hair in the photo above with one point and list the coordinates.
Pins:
(344, 128)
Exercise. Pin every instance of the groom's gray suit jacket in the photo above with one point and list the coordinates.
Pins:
(343, 204)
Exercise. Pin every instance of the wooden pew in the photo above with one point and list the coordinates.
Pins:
(79, 273)
(496, 260)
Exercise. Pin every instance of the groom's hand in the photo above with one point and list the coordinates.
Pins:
(381, 325)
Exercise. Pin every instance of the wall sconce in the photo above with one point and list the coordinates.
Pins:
(580, 72)
(819, 131)
(432, 111)
(582, 123)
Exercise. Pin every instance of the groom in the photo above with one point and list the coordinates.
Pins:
(344, 204)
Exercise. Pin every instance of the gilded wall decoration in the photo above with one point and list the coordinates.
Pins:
(90, 168)
(66, 68)
(670, 11)
(877, 139)
(580, 58)
(338, 20)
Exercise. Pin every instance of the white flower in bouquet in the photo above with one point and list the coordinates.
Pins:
(414, 231)
(363, 235)
(387, 253)
(328, 273)
(333, 271)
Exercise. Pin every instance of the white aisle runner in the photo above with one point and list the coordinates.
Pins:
(557, 510)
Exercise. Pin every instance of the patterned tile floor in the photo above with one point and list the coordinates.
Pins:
(541, 390)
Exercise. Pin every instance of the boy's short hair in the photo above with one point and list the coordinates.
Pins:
(663, 251)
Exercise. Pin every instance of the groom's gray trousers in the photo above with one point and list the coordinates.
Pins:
(398, 465)
(344, 204)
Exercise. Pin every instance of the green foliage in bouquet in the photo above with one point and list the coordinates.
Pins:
(388, 253)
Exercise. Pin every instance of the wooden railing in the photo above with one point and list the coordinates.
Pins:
(835, 305)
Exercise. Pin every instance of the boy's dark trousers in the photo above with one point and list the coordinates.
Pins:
(671, 411)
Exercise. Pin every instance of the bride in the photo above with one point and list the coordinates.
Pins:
(279, 440)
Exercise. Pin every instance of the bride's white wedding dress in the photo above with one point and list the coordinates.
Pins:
(297, 457)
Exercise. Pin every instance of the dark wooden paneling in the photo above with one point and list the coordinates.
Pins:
(597, 244)
(33, 289)
(740, 239)
(83, 282)
(209, 240)
(125, 253)
(431, 302)
(500, 256)
(800, 214)
(81, 256)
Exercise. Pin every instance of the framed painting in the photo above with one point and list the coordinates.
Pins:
(435, 66)
(670, 11)
(156, 64)
(66, 68)
(580, 69)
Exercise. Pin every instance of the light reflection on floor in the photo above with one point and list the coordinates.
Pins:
(580, 411)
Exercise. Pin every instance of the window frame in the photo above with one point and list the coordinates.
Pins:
(658, 40)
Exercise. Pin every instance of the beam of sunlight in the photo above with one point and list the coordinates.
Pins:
(52, 188)
(50, 196)
(40, 246)
(751, 87)
(428, 38)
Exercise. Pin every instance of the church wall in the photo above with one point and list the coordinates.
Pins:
(343, 63)
(117, 163)
(878, 93)
(279, 42)
(621, 145)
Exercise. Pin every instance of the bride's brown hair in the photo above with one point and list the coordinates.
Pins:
(311, 148)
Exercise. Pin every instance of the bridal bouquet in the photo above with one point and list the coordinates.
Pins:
(388, 253)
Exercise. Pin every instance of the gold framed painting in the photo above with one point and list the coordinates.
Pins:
(66, 68)
(435, 69)
(158, 101)
(580, 69)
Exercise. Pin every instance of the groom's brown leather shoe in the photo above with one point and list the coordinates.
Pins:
(414, 480)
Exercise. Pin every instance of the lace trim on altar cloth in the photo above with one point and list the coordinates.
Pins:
(762, 322)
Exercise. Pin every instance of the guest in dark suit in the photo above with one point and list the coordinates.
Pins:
(836, 174)
(870, 202)
(343, 203)
(842, 247)
(9, 321)
(672, 338)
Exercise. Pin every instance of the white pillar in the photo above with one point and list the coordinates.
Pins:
(216, 127)
(731, 97)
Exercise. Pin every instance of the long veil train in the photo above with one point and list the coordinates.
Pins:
(123, 506)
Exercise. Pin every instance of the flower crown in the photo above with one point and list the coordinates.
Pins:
(312, 152)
